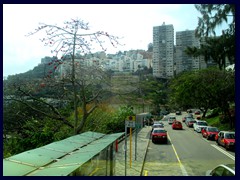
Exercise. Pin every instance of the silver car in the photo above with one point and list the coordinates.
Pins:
(222, 170)
(171, 119)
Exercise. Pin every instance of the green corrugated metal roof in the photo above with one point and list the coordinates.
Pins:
(91, 134)
(55, 171)
(15, 169)
(88, 137)
(67, 155)
(37, 157)
(77, 157)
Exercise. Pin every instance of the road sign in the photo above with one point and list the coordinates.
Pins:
(131, 118)
(130, 123)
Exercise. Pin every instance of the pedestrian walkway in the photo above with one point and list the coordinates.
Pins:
(138, 160)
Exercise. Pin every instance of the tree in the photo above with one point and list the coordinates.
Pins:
(214, 15)
(154, 91)
(215, 48)
(219, 48)
(209, 88)
(65, 41)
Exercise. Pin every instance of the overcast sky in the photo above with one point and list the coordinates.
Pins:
(132, 22)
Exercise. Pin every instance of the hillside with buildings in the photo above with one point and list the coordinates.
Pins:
(164, 58)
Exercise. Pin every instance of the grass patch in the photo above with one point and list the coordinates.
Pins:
(215, 121)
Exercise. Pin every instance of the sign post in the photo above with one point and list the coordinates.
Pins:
(130, 122)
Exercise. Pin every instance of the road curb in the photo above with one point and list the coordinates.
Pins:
(144, 158)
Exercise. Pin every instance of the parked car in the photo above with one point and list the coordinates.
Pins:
(189, 111)
(178, 112)
(198, 117)
(188, 119)
(189, 115)
(226, 139)
(222, 170)
(159, 135)
(171, 119)
(190, 123)
(184, 119)
(209, 132)
(197, 112)
(176, 125)
(198, 125)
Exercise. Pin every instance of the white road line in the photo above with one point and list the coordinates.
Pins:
(184, 172)
(205, 139)
(224, 152)
(218, 148)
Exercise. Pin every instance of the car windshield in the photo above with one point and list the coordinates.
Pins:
(212, 129)
(230, 135)
(159, 131)
(177, 122)
(157, 125)
(202, 123)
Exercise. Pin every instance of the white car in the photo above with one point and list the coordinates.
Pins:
(159, 125)
(198, 125)
(171, 119)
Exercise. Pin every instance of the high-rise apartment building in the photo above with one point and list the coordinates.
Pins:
(163, 49)
(183, 61)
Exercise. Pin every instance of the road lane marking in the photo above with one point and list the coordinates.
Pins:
(184, 172)
(205, 139)
(224, 152)
(94, 171)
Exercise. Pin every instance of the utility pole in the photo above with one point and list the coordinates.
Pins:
(140, 89)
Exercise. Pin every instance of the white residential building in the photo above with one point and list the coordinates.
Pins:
(163, 51)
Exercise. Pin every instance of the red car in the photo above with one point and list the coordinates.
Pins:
(209, 132)
(197, 112)
(176, 125)
(226, 139)
(159, 135)
(190, 123)
(198, 117)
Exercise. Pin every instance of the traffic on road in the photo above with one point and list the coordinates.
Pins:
(188, 151)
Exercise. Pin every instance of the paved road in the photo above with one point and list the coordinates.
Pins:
(186, 154)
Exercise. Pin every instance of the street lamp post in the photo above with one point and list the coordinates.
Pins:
(140, 89)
